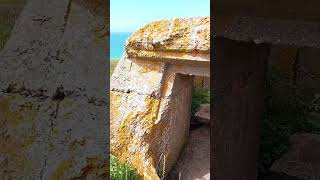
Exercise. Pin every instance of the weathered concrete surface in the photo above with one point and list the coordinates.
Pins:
(303, 158)
(194, 161)
(53, 100)
(151, 101)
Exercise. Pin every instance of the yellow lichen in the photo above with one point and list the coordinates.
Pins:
(124, 139)
(181, 34)
(13, 117)
(18, 137)
(148, 67)
(7, 115)
(61, 170)
(180, 56)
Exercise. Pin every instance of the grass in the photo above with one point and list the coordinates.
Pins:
(199, 96)
(120, 171)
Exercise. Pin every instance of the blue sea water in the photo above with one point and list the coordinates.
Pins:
(117, 42)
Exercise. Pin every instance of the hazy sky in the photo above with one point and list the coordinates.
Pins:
(129, 15)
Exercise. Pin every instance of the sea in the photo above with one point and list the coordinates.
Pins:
(117, 42)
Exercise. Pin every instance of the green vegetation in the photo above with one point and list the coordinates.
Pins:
(284, 117)
(199, 96)
(120, 171)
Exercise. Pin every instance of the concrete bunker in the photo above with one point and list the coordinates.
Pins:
(151, 91)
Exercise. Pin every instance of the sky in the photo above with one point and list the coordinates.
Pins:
(130, 15)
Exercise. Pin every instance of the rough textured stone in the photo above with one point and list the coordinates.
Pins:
(276, 31)
(239, 73)
(151, 98)
(201, 83)
(179, 39)
(181, 34)
(53, 100)
(147, 122)
(194, 161)
(303, 158)
(203, 115)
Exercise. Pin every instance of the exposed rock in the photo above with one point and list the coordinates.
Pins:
(279, 176)
(201, 83)
(181, 34)
(180, 39)
(303, 158)
(194, 161)
(203, 115)
(53, 100)
(151, 99)
(293, 32)
(148, 125)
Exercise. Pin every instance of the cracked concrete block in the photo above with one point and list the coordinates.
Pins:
(151, 92)
(53, 100)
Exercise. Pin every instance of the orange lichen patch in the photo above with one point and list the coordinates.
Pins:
(148, 67)
(95, 168)
(115, 103)
(16, 140)
(7, 115)
(61, 170)
(126, 144)
(181, 34)
(74, 145)
(179, 56)
(13, 117)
